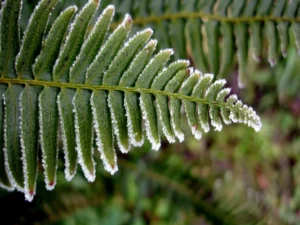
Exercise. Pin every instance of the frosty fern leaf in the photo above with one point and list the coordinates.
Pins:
(77, 83)
(212, 32)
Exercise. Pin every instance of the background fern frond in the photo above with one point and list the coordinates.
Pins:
(212, 33)
(86, 82)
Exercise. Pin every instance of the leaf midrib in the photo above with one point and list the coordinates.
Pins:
(112, 88)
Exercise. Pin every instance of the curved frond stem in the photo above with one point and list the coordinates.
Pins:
(113, 88)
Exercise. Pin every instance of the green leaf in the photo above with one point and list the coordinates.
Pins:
(9, 37)
(29, 137)
(175, 104)
(190, 107)
(96, 70)
(48, 126)
(91, 46)
(67, 123)
(103, 128)
(12, 145)
(42, 68)
(84, 132)
(32, 39)
(73, 42)
(4, 179)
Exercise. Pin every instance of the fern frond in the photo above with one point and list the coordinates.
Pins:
(89, 83)
(216, 30)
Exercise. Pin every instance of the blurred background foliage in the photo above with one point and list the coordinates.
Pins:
(236, 176)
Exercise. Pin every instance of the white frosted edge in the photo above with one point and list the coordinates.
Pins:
(197, 134)
(205, 126)
(44, 157)
(215, 123)
(123, 149)
(170, 137)
(7, 167)
(38, 57)
(155, 144)
(12, 188)
(210, 76)
(187, 80)
(251, 118)
(161, 73)
(92, 33)
(128, 42)
(233, 115)
(26, 30)
(151, 42)
(179, 134)
(28, 195)
(136, 58)
(191, 70)
(232, 98)
(132, 137)
(220, 98)
(120, 26)
(67, 171)
(168, 50)
(99, 143)
(138, 33)
(220, 82)
(222, 94)
(3, 186)
(90, 177)
(70, 32)
(198, 73)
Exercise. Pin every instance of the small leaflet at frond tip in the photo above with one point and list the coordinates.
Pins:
(216, 124)
(90, 175)
(155, 144)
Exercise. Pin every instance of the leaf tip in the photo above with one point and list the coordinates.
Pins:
(50, 185)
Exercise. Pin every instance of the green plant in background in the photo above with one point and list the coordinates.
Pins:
(233, 177)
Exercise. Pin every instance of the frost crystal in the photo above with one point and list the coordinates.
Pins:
(170, 137)
(132, 137)
(68, 174)
(49, 185)
(29, 194)
(89, 176)
(123, 148)
(179, 134)
(7, 167)
(155, 143)
(111, 169)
